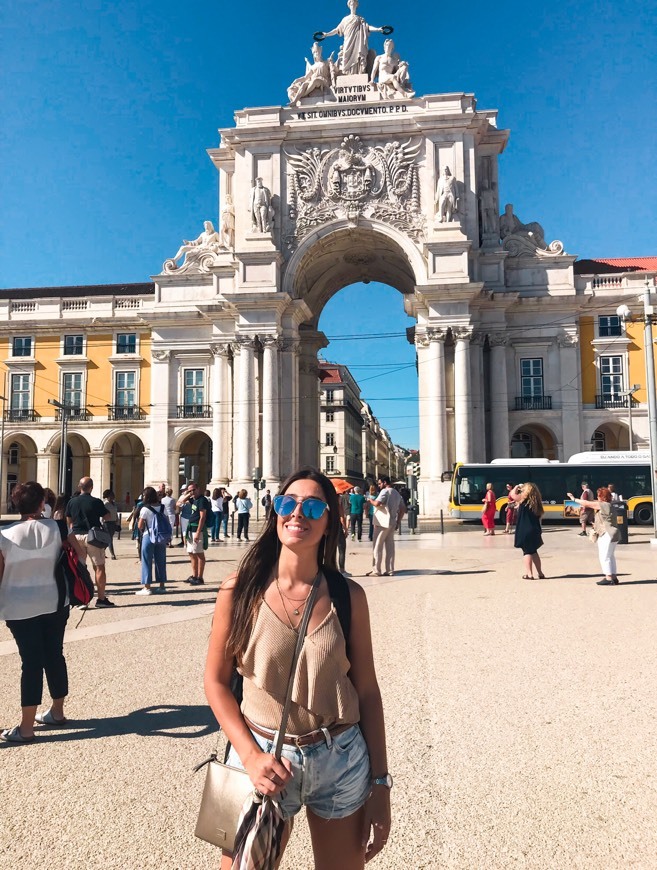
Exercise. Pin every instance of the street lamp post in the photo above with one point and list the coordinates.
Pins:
(630, 393)
(64, 409)
(648, 313)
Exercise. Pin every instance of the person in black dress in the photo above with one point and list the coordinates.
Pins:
(528, 528)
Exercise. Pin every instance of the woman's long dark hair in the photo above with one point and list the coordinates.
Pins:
(258, 563)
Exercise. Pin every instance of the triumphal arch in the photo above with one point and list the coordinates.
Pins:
(355, 179)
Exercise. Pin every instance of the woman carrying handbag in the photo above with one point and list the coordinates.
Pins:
(334, 754)
(604, 533)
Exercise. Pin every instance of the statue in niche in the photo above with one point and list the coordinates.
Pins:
(355, 56)
(489, 218)
(448, 196)
(260, 207)
(320, 75)
(228, 224)
(511, 225)
(392, 73)
(199, 253)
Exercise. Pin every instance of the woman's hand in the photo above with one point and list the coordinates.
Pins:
(268, 775)
(376, 821)
(571, 496)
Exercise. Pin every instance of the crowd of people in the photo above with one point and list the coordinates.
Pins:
(523, 513)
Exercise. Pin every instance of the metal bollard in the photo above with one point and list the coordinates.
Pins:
(442, 524)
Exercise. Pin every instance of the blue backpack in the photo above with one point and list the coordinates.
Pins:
(160, 531)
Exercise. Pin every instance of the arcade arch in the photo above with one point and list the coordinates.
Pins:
(123, 471)
(610, 436)
(195, 458)
(534, 441)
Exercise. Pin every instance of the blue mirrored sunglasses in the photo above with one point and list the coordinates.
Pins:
(312, 508)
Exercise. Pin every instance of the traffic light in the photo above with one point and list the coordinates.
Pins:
(183, 467)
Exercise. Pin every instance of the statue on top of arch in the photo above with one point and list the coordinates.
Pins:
(386, 74)
(525, 239)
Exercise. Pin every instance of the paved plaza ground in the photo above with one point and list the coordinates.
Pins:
(521, 715)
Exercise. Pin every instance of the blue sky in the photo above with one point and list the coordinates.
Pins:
(107, 111)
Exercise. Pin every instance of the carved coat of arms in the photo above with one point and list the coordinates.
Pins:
(377, 181)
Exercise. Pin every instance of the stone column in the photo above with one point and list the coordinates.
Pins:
(220, 415)
(569, 378)
(245, 411)
(424, 409)
(477, 393)
(499, 398)
(437, 399)
(289, 406)
(156, 467)
(270, 411)
(46, 471)
(99, 471)
(462, 395)
(433, 423)
(311, 342)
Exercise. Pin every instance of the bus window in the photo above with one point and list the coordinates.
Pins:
(471, 487)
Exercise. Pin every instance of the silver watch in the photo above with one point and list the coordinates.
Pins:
(386, 780)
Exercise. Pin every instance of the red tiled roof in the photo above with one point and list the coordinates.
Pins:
(615, 264)
(330, 374)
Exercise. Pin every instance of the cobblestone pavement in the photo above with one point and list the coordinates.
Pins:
(520, 715)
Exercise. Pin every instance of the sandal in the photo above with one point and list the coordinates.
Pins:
(527, 577)
(13, 735)
(541, 576)
(48, 719)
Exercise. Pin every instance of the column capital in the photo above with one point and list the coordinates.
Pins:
(220, 349)
(436, 333)
(246, 342)
(462, 333)
(161, 355)
(478, 337)
(291, 345)
(568, 340)
(309, 367)
(271, 341)
(498, 339)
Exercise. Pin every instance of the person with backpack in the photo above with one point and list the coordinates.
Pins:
(156, 533)
(333, 758)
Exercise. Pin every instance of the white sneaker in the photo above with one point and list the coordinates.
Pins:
(144, 591)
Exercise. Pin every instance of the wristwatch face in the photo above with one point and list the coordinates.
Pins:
(384, 780)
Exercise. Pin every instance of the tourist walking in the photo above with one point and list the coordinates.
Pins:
(59, 509)
(356, 504)
(585, 511)
(342, 535)
(388, 512)
(605, 532)
(488, 513)
(83, 513)
(528, 536)
(217, 505)
(243, 505)
(266, 502)
(196, 532)
(35, 610)
(334, 751)
(227, 498)
(112, 524)
(152, 550)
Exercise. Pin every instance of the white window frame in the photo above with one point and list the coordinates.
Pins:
(73, 356)
(532, 377)
(120, 370)
(14, 448)
(619, 334)
(29, 391)
(620, 374)
(329, 464)
(330, 396)
(115, 348)
(184, 388)
(330, 439)
(330, 416)
(83, 387)
(14, 338)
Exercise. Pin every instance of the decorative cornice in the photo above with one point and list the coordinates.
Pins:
(161, 355)
(221, 350)
(498, 339)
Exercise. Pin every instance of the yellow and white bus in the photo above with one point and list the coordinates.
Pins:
(628, 471)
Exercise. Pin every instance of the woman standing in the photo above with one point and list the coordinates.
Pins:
(334, 754)
(112, 524)
(227, 498)
(30, 603)
(370, 510)
(528, 528)
(607, 533)
(151, 549)
(510, 513)
(243, 505)
(217, 504)
(488, 513)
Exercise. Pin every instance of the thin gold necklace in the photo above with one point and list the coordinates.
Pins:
(300, 602)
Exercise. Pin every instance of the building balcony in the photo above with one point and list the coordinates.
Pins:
(196, 412)
(21, 415)
(125, 412)
(611, 400)
(533, 403)
(74, 414)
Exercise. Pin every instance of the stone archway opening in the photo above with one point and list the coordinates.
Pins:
(19, 458)
(195, 462)
(126, 468)
(611, 436)
(77, 462)
(533, 442)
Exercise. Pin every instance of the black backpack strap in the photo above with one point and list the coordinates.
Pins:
(340, 595)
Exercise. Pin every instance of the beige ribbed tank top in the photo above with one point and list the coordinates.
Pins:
(322, 694)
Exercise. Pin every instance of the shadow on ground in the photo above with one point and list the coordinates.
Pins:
(178, 722)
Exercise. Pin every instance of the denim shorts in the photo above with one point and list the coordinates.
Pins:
(332, 780)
